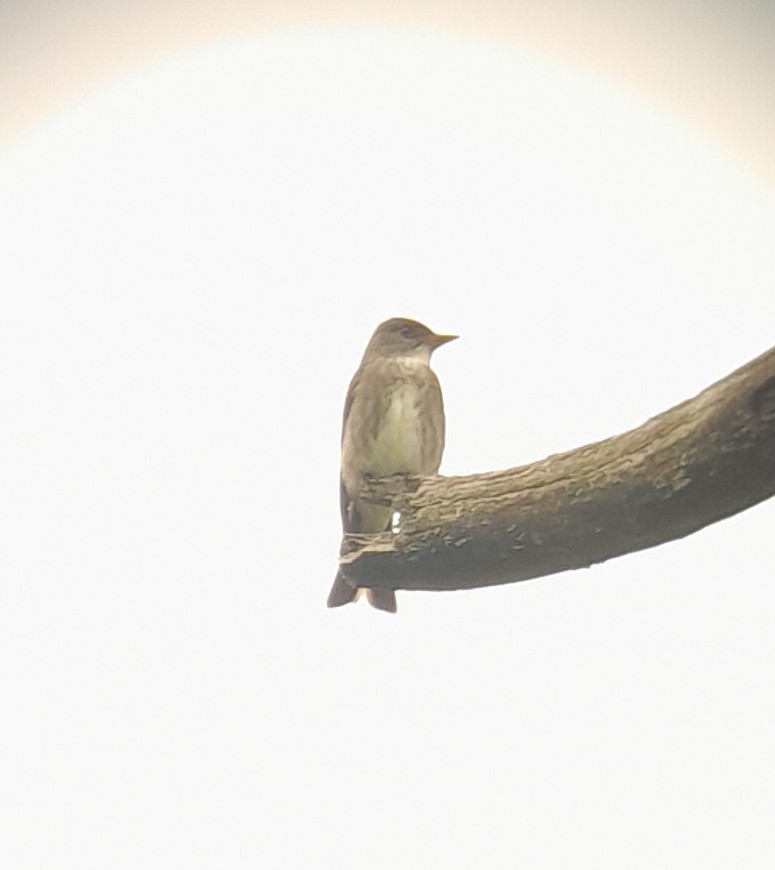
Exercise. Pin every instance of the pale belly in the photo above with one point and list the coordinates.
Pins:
(398, 443)
(395, 446)
(390, 430)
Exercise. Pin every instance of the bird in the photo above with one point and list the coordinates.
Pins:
(393, 422)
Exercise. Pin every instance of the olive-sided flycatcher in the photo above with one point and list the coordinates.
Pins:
(393, 423)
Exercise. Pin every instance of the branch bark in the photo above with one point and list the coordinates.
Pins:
(703, 460)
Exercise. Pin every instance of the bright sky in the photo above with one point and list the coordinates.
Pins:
(193, 261)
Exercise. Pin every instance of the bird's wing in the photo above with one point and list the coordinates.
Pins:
(345, 504)
(351, 519)
(348, 402)
(432, 406)
(377, 396)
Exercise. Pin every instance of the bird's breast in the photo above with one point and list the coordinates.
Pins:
(397, 444)
(395, 424)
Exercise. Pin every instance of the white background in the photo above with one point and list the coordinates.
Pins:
(192, 261)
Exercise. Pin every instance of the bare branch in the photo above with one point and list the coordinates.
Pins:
(699, 462)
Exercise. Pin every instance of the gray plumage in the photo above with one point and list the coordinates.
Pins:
(393, 422)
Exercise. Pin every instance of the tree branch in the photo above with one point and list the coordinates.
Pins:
(699, 462)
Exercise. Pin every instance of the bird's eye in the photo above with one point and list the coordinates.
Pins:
(406, 331)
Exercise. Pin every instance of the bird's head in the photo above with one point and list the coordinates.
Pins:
(401, 337)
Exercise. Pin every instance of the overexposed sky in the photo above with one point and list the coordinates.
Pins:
(709, 65)
(194, 258)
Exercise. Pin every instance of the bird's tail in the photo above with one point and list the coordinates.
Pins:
(382, 599)
(342, 593)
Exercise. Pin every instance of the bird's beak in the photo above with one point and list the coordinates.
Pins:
(437, 340)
